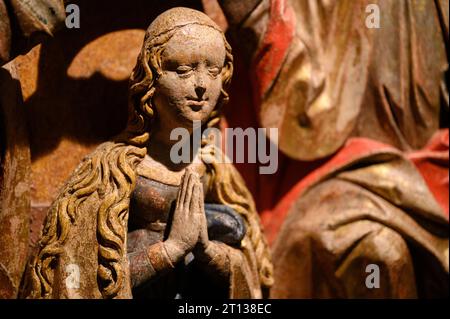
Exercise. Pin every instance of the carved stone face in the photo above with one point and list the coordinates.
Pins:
(190, 85)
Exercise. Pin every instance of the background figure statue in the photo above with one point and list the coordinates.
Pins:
(362, 116)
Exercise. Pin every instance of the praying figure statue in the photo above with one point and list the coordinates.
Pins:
(132, 223)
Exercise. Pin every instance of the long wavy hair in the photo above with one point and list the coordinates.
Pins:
(111, 172)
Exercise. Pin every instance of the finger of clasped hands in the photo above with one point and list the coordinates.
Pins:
(189, 227)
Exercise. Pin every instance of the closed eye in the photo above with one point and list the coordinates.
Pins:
(214, 71)
(183, 69)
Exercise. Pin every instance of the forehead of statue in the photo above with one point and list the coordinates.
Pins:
(195, 43)
(176, 18)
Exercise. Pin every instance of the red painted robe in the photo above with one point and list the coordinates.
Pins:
(343, 96)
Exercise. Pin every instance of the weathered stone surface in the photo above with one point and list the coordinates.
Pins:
(14, 184)
(24, 23)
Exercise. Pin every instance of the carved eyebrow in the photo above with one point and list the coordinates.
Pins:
(172, 64)
(212, 63)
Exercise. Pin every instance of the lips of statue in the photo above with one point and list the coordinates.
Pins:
(191, 81)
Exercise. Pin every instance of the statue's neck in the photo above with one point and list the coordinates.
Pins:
(160, 146)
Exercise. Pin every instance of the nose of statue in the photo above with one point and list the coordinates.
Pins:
(200, 90)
